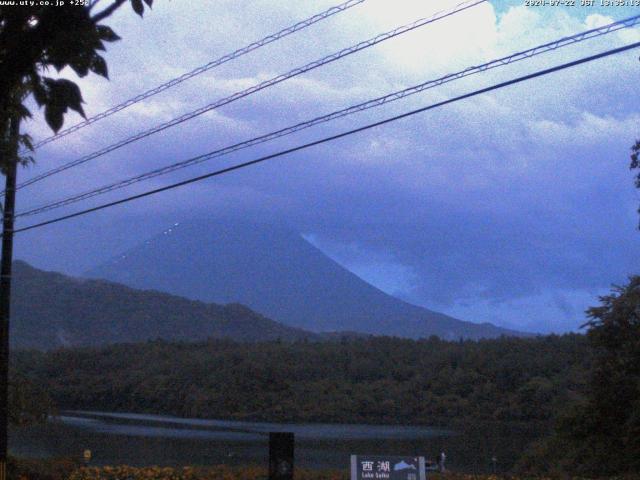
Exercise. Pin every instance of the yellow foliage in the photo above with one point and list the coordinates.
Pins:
(221, 472)
(224, 472)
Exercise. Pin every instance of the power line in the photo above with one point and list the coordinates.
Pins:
(268, 83)
(337, 136)
(540, 49)
(204, 68)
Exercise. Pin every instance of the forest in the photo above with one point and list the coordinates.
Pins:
(576, 395)
(375, 380)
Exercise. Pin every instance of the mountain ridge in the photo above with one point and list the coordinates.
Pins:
(279, 274)
(52, 310)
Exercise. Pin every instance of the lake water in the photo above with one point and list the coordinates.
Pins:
(140, 439)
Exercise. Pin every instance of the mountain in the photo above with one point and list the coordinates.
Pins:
(278, 273)
(51, 310)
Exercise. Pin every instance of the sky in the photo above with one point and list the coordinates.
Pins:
(515, 207)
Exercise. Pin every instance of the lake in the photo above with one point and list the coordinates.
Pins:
(142, 439)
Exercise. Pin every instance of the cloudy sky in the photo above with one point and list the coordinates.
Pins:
(515, 207)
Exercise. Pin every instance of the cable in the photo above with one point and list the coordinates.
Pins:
(335, 137)
(204, 68)
(606, 29)
(268, 83)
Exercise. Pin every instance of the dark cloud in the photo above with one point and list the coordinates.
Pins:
(518, 201)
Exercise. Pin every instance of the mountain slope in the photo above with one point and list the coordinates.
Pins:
(279, 274)
(50, 310)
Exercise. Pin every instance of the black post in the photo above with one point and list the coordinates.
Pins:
(11, 166)
(281, 455)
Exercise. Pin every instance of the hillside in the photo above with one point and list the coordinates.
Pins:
(51, 310)
(278, 273)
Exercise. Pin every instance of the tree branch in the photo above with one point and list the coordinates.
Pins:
(92, 4)
(107, 11)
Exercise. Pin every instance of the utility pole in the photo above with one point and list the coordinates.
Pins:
(11, 167)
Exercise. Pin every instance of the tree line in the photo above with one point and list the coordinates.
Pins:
(577, 395)
(377, 379)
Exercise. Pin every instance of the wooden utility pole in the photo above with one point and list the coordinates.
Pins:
(11, 167)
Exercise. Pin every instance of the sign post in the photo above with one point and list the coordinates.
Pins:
(381, 467)
(281, 446)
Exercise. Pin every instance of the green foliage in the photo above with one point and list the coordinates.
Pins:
(599, 435)
(376, 380)
(58, 96)
(49, 469)
(635, 164)
(28, 403)
(35, 38)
